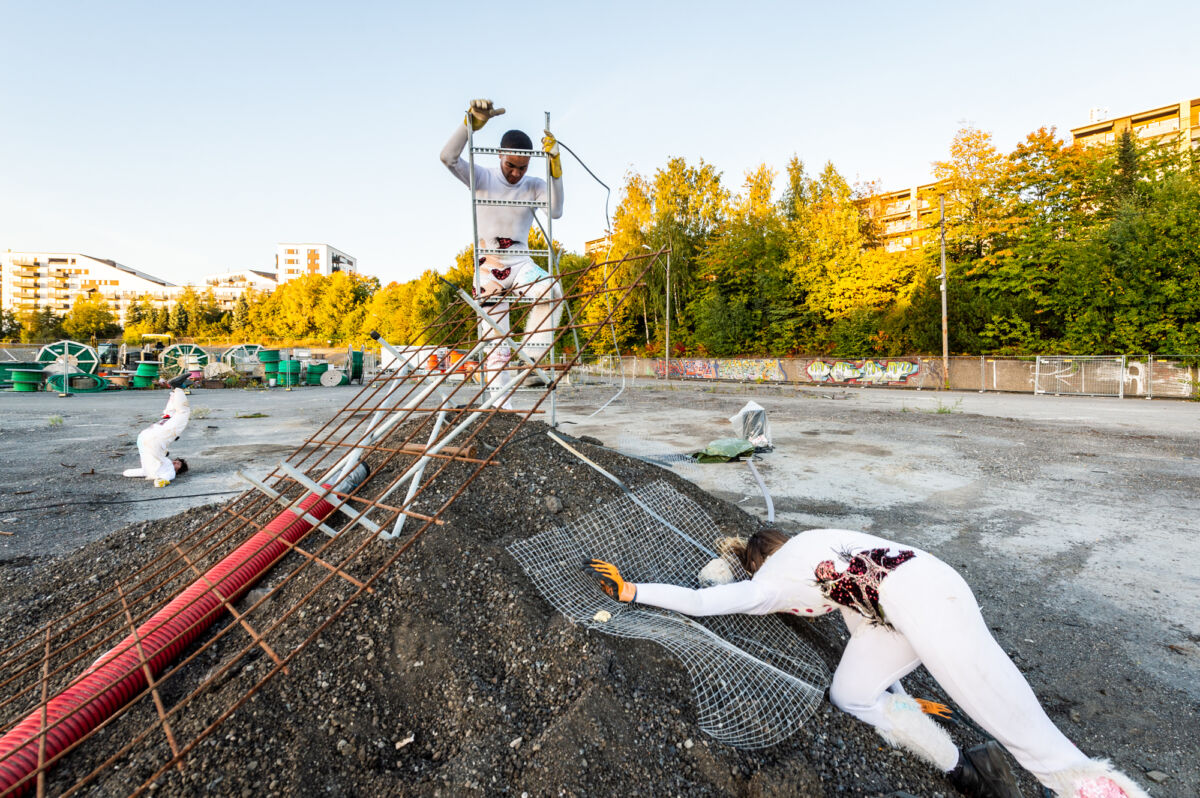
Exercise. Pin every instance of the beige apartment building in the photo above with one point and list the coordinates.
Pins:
(1179, 121)
(32, 281)
(904, 219)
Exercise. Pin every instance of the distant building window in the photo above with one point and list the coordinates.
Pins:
(57, 260)
(290, 252)
(291, 260)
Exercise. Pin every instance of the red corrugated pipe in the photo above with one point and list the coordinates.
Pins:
(117, 676)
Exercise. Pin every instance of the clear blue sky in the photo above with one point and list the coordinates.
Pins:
(184, 138)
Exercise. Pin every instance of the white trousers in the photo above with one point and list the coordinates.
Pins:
(938, 624)
(152, 444)
(525, 279)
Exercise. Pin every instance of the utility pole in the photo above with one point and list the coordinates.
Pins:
(668, 351)
(945, 324)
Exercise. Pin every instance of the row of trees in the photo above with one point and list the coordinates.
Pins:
(1050, 247)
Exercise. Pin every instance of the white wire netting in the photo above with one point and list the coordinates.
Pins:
(754, 681)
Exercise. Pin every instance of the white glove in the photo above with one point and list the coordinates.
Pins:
(479, 112)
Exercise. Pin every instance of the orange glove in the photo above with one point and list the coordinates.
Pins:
(610, 580)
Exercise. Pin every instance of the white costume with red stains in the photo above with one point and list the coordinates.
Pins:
(154, 440)
(504, 227)
(904, 608)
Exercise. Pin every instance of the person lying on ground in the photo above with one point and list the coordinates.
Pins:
(903, 607)
(153, 441)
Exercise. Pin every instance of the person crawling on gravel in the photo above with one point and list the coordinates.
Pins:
(903, 608)
(152, 442)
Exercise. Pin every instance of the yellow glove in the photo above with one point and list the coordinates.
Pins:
(479, 112)
(610, 580)
(550, 147)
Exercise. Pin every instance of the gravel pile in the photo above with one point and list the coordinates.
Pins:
(455, 677)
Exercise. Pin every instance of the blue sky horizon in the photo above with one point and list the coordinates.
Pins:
(186, 140)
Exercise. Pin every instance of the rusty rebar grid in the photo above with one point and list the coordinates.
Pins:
(406, 405)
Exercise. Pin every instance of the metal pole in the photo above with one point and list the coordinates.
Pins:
(668, 350)
(945, 325)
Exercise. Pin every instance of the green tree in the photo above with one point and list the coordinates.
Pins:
(90, 317)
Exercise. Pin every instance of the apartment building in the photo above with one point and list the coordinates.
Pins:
(32, 281)
(1179, 121)
(905, 219)
(228, 286)
(296, 260)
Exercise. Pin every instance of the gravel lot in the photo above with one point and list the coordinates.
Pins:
(1054, 509)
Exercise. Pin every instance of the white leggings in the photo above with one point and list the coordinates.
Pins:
(937, 623)
(526, 279)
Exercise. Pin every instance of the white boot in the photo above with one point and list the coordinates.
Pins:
(1098, 779)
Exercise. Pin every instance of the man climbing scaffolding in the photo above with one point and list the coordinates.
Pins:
(506, 227)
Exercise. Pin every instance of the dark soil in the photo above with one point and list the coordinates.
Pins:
(455, 677)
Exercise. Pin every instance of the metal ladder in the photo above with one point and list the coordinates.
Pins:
(547, 230)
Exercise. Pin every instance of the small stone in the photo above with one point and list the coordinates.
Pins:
(345, 748)
(1075, 716)
(554, 504)
(1157, 776)
(688, 743)
(515, 744)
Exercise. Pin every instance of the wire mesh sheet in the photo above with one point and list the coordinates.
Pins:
(754, 681)
(660, 454)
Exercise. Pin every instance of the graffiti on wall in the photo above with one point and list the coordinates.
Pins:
(874, 372)
(682, 368)
(756, 369)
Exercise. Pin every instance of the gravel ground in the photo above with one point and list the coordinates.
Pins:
(456, 678)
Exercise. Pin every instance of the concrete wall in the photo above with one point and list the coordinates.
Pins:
(1146, 377)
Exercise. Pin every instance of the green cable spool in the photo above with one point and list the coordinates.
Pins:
(270, 368)
(313, 374)
(79, 357)
(268, 356)
(287, 379)
(289, 366)
(9, 366)
(143, 382)
(147, 368)
(55, 382)
(26, 380)
(178, 358)
(356, 365)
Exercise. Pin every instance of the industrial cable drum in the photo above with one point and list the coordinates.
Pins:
(146, 374)
(77, 356)
(178, 358)
(289, 372)
(312, 374)
(26, 380)
(240, 356)
(7, 367)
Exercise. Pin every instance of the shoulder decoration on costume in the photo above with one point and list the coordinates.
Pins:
(858, 586)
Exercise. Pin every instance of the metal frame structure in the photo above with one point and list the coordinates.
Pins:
(428, 432)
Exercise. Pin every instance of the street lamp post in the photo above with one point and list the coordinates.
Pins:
(945, 324)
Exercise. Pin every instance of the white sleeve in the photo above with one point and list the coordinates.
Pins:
(452, 156)
(747, 597)
(556, 198)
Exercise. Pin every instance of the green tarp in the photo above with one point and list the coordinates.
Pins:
(723, 450)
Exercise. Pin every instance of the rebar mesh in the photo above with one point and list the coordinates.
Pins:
(754, 681)
(432, 429)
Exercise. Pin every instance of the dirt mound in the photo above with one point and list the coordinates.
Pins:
(455, 677)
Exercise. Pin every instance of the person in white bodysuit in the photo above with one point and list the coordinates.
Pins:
(507, 227)
(903, 608)
(153, 441)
